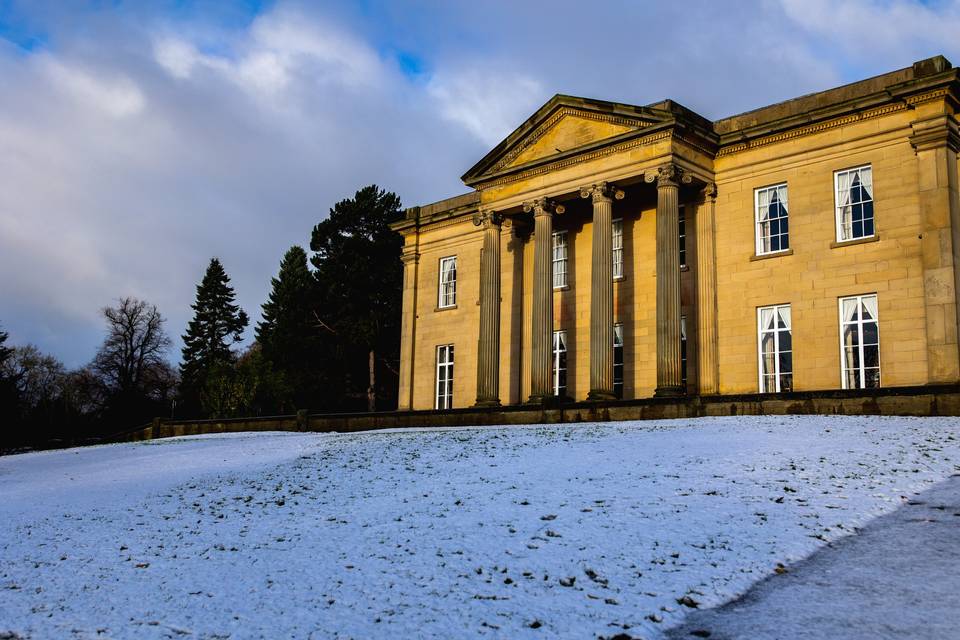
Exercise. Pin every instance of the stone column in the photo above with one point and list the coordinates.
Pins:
(488, 349)
(669, 374)
(601, 290)
(541, 341)
(408, 326)
(708, 367)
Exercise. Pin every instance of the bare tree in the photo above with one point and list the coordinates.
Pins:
(131, 359)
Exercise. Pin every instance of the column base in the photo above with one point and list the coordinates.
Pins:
(601, 396)
(487, 404)
(547, 401)
(670, 392)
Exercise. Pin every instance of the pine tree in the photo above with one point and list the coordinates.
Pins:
(9, 398)
(217, 324)
(287, 312)
(5, 351)
(287, 335)
(359, 277)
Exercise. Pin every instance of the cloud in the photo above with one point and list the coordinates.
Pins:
(895, 30)
(488, 105)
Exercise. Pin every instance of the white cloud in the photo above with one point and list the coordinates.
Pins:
(892, 29)
(117, 96)
(487, 104)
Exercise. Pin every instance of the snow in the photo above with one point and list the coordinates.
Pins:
(440, 532)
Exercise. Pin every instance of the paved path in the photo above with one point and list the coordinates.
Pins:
(898, 578)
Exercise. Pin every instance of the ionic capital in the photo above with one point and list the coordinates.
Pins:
(668, 175)
(486, 218)
(710, 191)
(602, 192)
(543, 207)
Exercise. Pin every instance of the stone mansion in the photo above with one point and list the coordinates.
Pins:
(618, 251)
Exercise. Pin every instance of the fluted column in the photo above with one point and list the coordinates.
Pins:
(601, 290)
(669, 374)
(708, 367)
(488, 351)
(541, 341)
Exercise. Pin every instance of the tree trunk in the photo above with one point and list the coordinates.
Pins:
(372, 389)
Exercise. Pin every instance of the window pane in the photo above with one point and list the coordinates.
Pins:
(769, 384)
(786, 382)
(872, 378)
(850, 309)
(870, 333)
(766, 319)
(767, 343)
(786, 341)
(871, 356)
(852, 357)
(853, 379)
(786, 362)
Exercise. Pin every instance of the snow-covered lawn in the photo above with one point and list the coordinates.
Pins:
(550, 531)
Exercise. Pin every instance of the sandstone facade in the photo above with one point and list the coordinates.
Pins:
(579, 166)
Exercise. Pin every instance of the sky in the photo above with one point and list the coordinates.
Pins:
(140, 139)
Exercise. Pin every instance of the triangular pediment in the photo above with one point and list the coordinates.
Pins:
(564, 126)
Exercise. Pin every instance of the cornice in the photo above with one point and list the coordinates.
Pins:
(736, 147)
(898, 97)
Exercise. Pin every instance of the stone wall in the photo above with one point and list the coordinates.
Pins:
(941, 400)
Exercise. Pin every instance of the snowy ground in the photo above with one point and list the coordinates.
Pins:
(549, 531)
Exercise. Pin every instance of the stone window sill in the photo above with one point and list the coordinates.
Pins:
(565, 287)
(775, 254)
(619, 279)
(450, 308)
(844, 243)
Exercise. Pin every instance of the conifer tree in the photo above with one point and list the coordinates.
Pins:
(9, 398)
(287, 317)
(217, 324)
(359, 278)
(5, 351)
(287, 336)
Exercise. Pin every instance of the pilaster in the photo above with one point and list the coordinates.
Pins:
(936, 141)
(408, 327)
(708, 366)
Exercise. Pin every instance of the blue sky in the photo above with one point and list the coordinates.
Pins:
(141, 139)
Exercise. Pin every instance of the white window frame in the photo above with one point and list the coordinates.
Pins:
(861, 369)
(558, 353)
(777, 351)
(447, 291)
(618, 343)
(560, 260)
(443, 397)
(837, 206)
(757, 233)
(682, 235)
(617, 248)
(683, 350)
